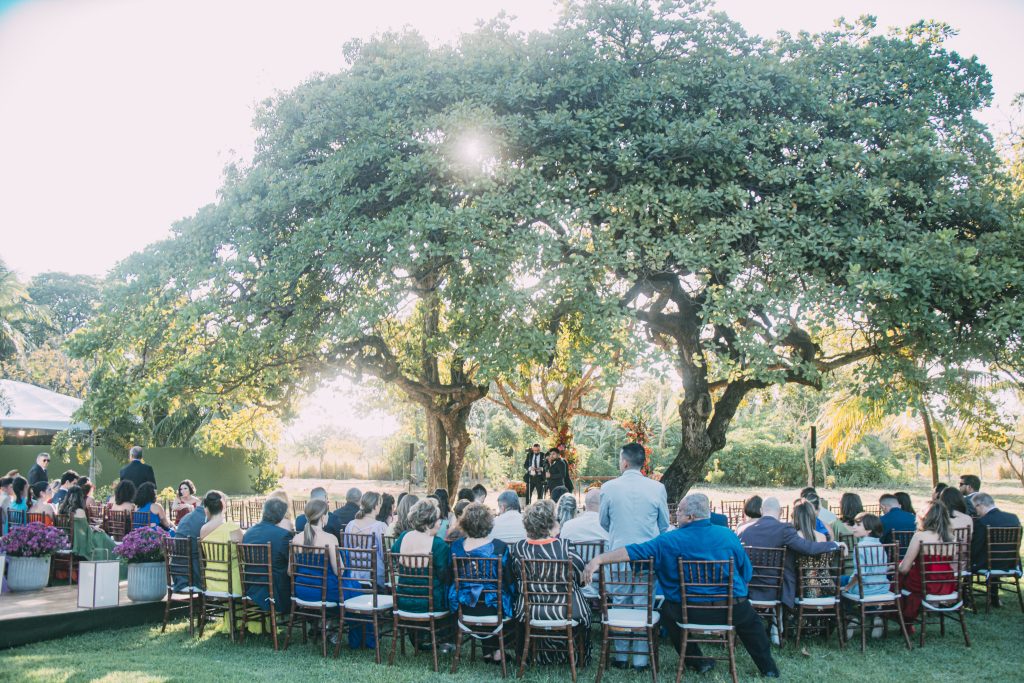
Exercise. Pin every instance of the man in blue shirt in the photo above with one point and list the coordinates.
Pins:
(189, 527)
(267, 531)
(894, 518)
(698, 539)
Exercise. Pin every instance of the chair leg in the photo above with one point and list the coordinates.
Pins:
(732, 655)
(167, 611)
(602, 662)
(526, 648)
(903, 626)
(273, 624)
(963, 626)
(396, 635)
(652, 644)
(202, 614)
(501, 646)
(458, 649)
(433, 642)
(682, 656)
(572, 653)
(799, 624)
(376, 637)
(863, 628)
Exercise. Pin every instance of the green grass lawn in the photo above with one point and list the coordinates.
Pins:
(142, 654)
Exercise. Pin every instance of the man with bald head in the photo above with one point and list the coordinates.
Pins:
(698, 539)
(586, 527)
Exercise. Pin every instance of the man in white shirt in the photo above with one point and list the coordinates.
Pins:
(586, 527)
(508, 525)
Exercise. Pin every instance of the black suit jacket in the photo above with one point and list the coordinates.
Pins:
(340, 518)
(528, 463)
(559, 471)
(769, 532)
(138, 473)
(279, 539)
(979, 538)
(37, 473)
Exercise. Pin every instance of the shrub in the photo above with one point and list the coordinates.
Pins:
(758, 463)
(145, 544)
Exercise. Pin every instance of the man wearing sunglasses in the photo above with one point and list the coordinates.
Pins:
(38, 471)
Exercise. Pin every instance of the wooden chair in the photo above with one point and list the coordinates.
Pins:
(236, 512)
(784, 514)
(412, 579)
(547, 587)
(850, 541)
(95, 514)
(40, 518)
(362, 606)
(766, 582)
(936, 580)
(817, 591)
(627, 610)
(962, 537)
(253, 511)
(902, 539)
(588, 550)
(673, 507)
(875, 510)
(179, 565)
(1002, 562)
(66, 557)
(16, 518)
(876, 564)
(298, 507)
(308, 567)
(117, 523)
(256, 570)
(218, 564)
(701, 621)
(485, 574)
(141, 519)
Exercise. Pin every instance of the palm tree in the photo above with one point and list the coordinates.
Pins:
(17, 315)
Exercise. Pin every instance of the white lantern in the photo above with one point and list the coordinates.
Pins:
(98, 583)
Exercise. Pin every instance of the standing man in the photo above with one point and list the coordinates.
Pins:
(38, 471)
(558, 472)
(633, 510)
(970, 484)
(536, 466)
(136, 471)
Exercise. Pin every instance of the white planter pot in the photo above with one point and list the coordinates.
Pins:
(147, 581)
(28, 573)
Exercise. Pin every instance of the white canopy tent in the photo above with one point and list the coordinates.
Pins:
(25, 406)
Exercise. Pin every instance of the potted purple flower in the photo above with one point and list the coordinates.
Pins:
(143, 550)
(28, 549)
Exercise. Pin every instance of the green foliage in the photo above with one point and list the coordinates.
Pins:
(69, 299)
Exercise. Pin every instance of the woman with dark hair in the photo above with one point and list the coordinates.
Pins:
(145, 501)
(124, 496)
(464, 493)
(557, 493)
(366, 522)
(185, 502)
(476, 523)
(387, 509)
(751, 513)
(41, 502)
(939, 488)
(850, 506)
(218, 530)
(447, 518)
(905, 503)
(935, 527)
(805, 519)
(86, 540)
(85, 484)
(22, 500)
(956, 506)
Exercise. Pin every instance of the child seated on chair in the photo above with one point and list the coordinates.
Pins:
(868, 530)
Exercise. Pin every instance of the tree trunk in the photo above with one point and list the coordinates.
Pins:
(437, 452)
(458, 441)
(929, 437)
(694, 450)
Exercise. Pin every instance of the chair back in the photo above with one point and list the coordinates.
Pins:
(631, 580)
(784, 514)
(962, 537)
(179, 554)
(673, 507)
(768, 567)
(217, 563)
(705, 585)
(95, 514)
(729, 507)
(117, 523)
(235, 512)
(255, 568)
(308, 566)
(818, 576)
(412, 579)
(65, 523)
(253, 512)
(16, 518)
(902, 539)
(479, 573)
(850, 541)
(587, 550)
(298, 507)
(547, 585)
(938, 564)
(358, 554)
(1002, 547)
(876, 565)
(40, 518)
(141, 519)
(875, 510)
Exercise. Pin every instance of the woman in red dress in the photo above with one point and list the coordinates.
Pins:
(935, 527)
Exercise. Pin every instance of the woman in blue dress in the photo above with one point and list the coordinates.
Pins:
(145, 503)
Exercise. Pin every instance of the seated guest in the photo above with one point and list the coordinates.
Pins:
(315, 535)
(894, 518)
(86, 540)
(586, 527)
(22, 495)
(541, 543)
(145, 501)
(566, 510)
(826, 522)
(190, 526)
(906, 504)
(402, 523)
(347, 512)
(508, 525)
(423, 539)
(869, 568)
(366, 522)
(269, 530)
(6, 492)
(386, 513)
(286, 522)
(124, 496)
(479, 493)
(557, 493)
(935, 528)
(67, 480)
(41, 502)
(87, 488)
(476, 523)
(185, 502)
(956, 506)
(466, 494)
(455, 531)
(850, 506)
(990, 516)
(447, 516)
(218, 530)
(939, 488)
(751, 513)
(330, 526)
(698, 539)
(970, 484)
(769, 532)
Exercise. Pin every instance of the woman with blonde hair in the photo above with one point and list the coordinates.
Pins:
(313, 535)
(286, 523)
(934, 527)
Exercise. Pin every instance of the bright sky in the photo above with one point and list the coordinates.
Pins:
(118, 116)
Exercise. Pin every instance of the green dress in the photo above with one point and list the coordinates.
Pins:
(91, 544)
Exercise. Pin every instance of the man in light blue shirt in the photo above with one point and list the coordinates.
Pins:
(634, 509)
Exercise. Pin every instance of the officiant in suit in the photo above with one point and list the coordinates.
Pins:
(536, 472)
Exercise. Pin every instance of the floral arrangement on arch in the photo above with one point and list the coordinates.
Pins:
(518, 486)
(564, 438)
(638, 431)
(33, 540)
(145, 544)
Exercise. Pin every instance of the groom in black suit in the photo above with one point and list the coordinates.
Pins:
(536, 468)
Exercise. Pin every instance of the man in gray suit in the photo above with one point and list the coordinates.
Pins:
(634, 509)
